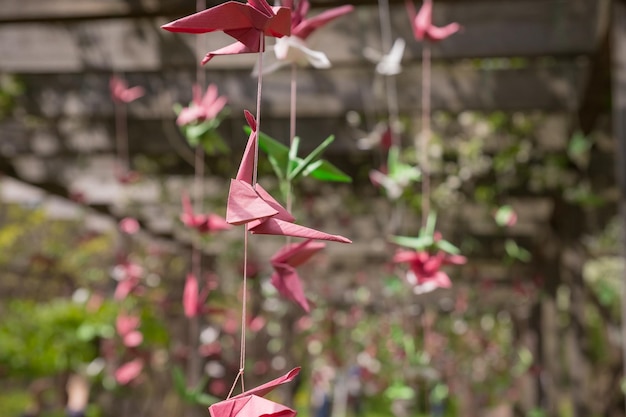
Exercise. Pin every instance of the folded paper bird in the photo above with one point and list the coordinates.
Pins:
(203, 223)
(294, 48)
(252, 205)
(121, 93)
(390, 63)
(247, 22)
(285, 277)
(422, 23)
(252, 404)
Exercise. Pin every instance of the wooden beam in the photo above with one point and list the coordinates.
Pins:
(331, 93)
(68, 10)
(491, 29)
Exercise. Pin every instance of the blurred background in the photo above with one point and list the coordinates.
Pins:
(526, 158)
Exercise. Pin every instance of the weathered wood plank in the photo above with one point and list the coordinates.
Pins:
(491, 29)
(328, 93)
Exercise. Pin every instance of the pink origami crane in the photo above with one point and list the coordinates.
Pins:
(252, 404)
(422, 23)
(293, 48)
(126, 327)
(202, 108)
(129, 278)
(129, 371)
(121, 93)
(129, 225)
(203, 223)
(193, 299)
(285, 277)
(248, 23)
(424, 269)
(254, 206)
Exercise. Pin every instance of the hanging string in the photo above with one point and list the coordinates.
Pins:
(193, 370)
(292, 124)
(244, 297)
(424, 137)
(391, 88)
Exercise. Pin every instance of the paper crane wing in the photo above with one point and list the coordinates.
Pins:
(273, 226)
(307, 26)
(296, 254)
(287, 281)
(440, 33)
(227, 16)
(245, 205)
(250, 406)
(264, 389)
(247, 23)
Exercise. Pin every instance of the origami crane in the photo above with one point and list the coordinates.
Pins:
(127, 372)
(388, 64)
(194, 299)
(121, 93)
(126, 327)
(424, 269)
(252, 404)
(247, 22)
(285, 277)
(398, 175)
(294, 48)
(204, 223)
(252, 205)
(422, 23)
(202, 108)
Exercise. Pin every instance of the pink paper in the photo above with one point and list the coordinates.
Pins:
(247, 23)
(121, 93)
(285, 277)
(303, 28)
(423, 28)
(204, 223)
(425, 268)
(251, 404)
(202, 108)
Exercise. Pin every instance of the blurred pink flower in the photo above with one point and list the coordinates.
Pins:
(129, 225)
(126, 327)
(422, 23)
(121, 93)
(424, 268)
(256, 324)
(202, 108)
(129, 371)
(129, 278)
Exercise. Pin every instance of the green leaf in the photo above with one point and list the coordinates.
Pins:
(448, 247)
(293, 155)
(278, 154)
(179, 381)
(421, 242)
(205, 399)
(325, 171)
(272, 147)
(578, 145)
(516, 252)
(311, 157)
(431, 221)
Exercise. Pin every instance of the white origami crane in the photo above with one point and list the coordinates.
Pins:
(390, 63)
